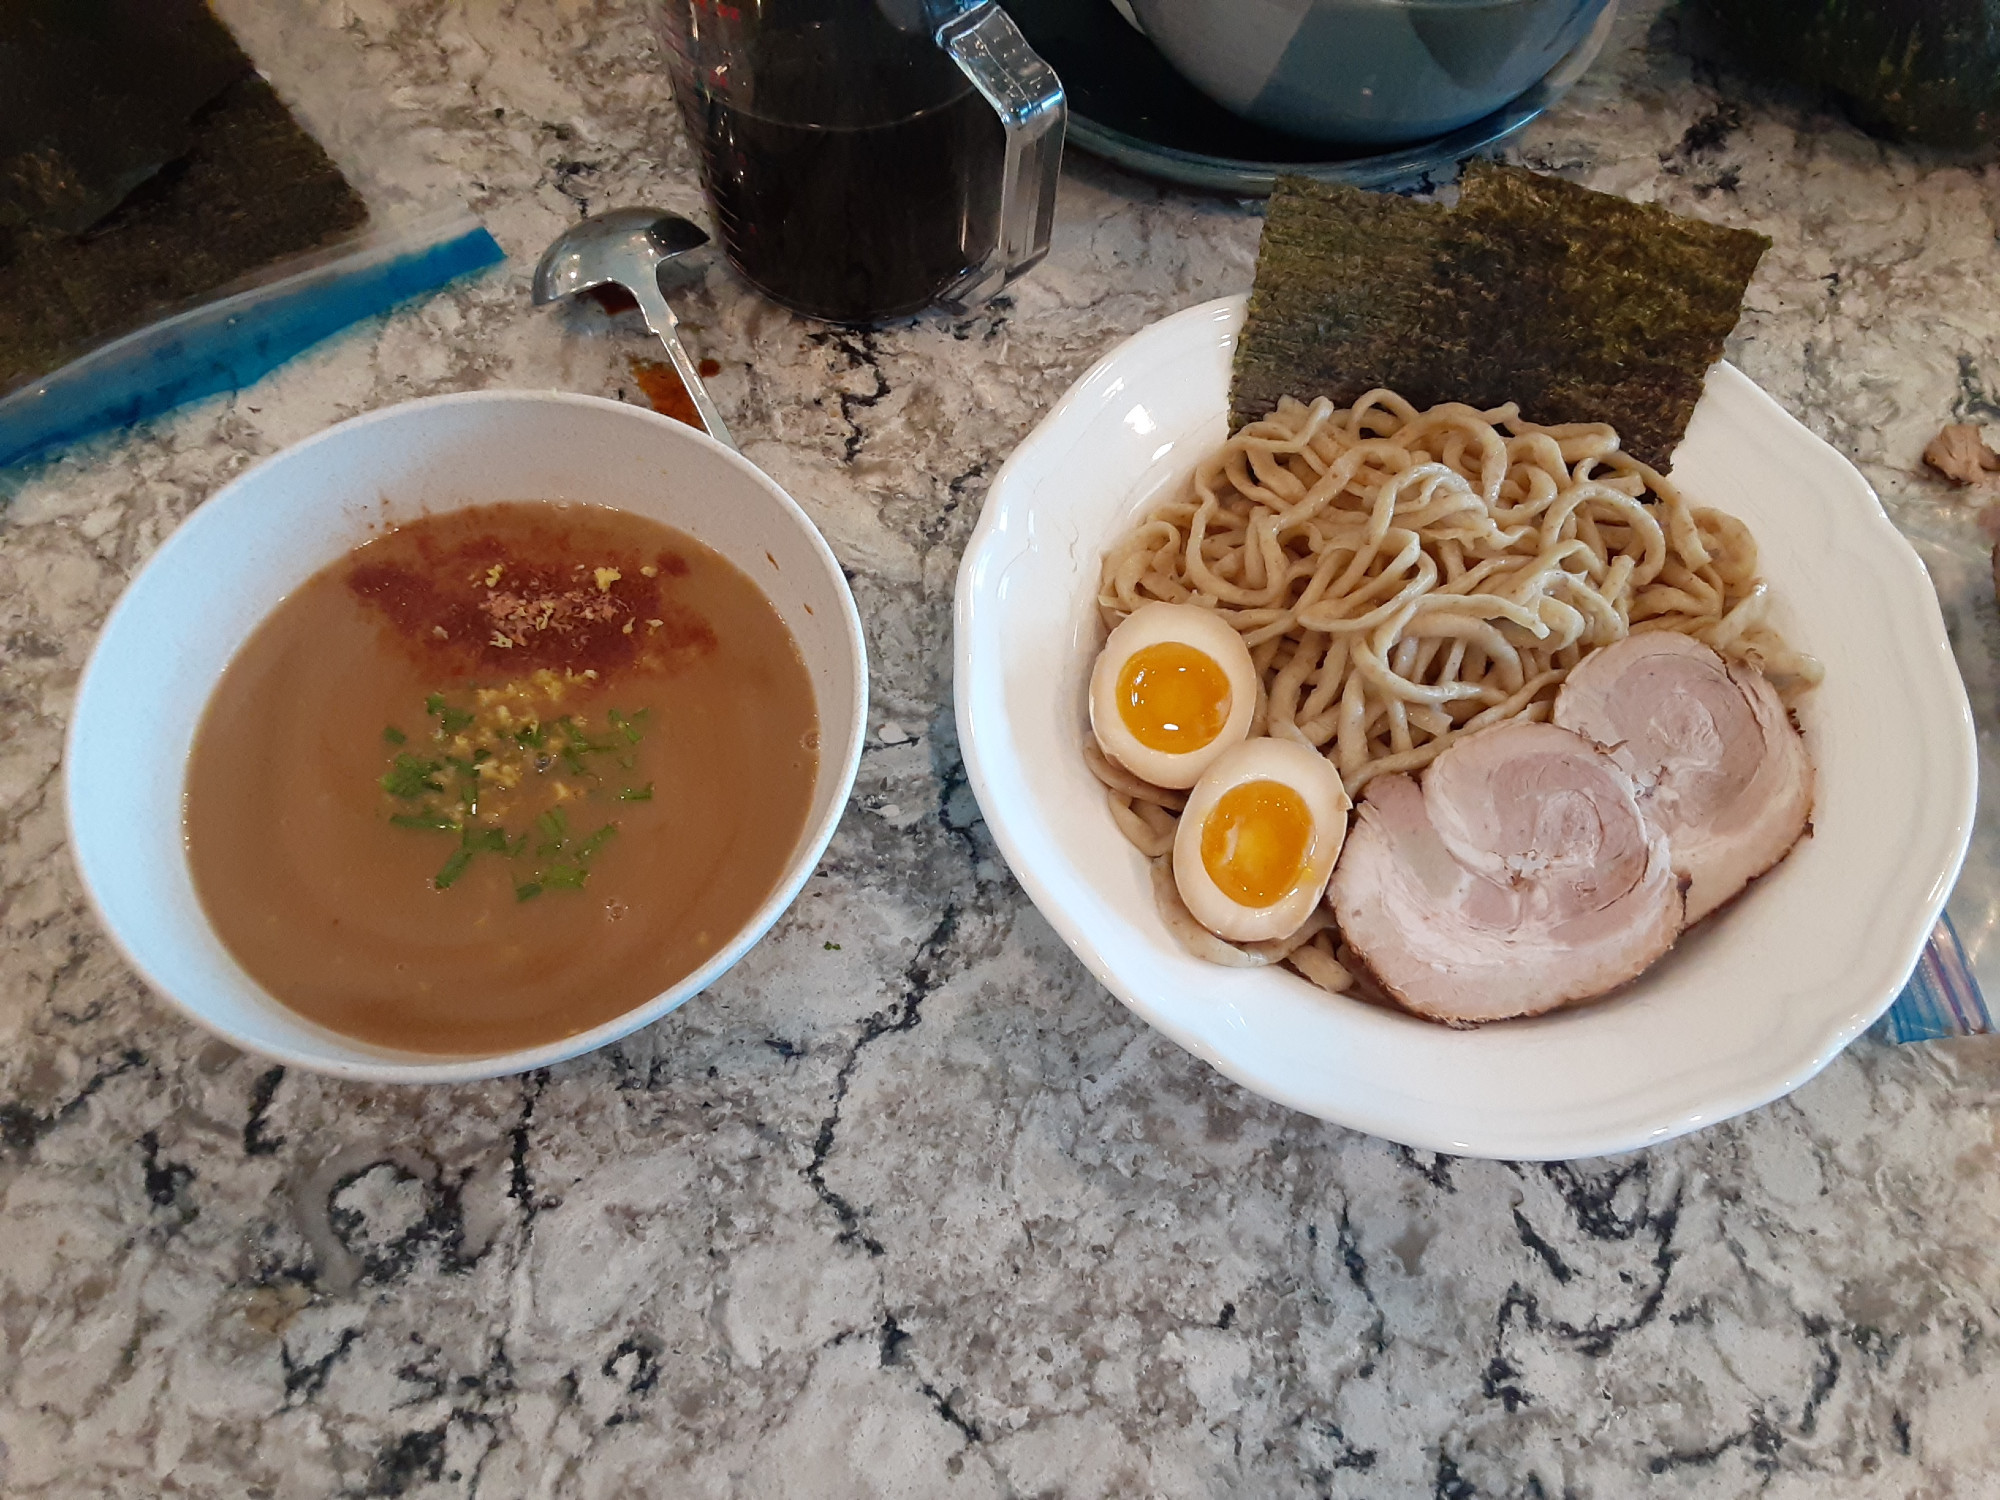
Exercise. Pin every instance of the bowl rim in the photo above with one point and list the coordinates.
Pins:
(415, 1068)
(1006, 532)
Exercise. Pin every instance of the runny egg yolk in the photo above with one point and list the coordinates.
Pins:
(1173, 697)
(1254, 844)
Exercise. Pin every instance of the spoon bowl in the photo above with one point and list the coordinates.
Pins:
(603, 249)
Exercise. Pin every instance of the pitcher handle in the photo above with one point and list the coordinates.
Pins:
(1025, 92)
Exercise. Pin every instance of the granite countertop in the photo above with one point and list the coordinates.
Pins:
(907, 1205)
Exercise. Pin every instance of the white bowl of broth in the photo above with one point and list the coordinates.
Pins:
(466, 736)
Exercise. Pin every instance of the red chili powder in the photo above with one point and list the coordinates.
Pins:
(505, 602)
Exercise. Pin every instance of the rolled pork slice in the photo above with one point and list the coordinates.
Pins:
(1516, 877)
(1719, 767)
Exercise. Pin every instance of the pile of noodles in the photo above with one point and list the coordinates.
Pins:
(1403, 578)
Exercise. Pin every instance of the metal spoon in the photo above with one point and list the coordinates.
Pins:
(626, 247)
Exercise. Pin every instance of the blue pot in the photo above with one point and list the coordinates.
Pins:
(1375, 72)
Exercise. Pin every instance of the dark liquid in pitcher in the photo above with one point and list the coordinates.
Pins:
(853, 219)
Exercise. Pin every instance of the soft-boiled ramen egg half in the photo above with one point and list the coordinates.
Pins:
(1172, 689)
(1259, 837)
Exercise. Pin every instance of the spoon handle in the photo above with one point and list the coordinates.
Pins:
(659, 315)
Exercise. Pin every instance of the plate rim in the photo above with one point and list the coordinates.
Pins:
(1564, 1138)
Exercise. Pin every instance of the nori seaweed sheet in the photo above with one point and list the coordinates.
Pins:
(1927, 72)
(1579, 305)
(252, 188)
(96, 96)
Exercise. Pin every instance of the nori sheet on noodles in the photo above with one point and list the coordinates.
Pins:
(1579, 305)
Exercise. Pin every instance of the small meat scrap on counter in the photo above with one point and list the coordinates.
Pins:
(1959, 452)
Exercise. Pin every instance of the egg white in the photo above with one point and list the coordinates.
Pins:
(1190, 625)
(1318, 785)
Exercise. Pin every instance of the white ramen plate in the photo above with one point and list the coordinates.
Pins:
(267, 531)
(1745, 1009)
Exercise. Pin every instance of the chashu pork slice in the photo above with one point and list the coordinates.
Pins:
(1720, 768)
(1517, 877)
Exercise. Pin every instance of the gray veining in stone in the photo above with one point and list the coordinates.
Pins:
(907, 1205)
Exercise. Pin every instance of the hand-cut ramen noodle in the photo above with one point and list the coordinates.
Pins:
(1404, 578)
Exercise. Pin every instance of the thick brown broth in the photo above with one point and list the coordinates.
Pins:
(536, 624)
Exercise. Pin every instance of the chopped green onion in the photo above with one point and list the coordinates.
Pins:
(453, 719)
(445, 794)
(410, 777)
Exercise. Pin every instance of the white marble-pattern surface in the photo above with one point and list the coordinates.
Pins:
(907, 1205)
